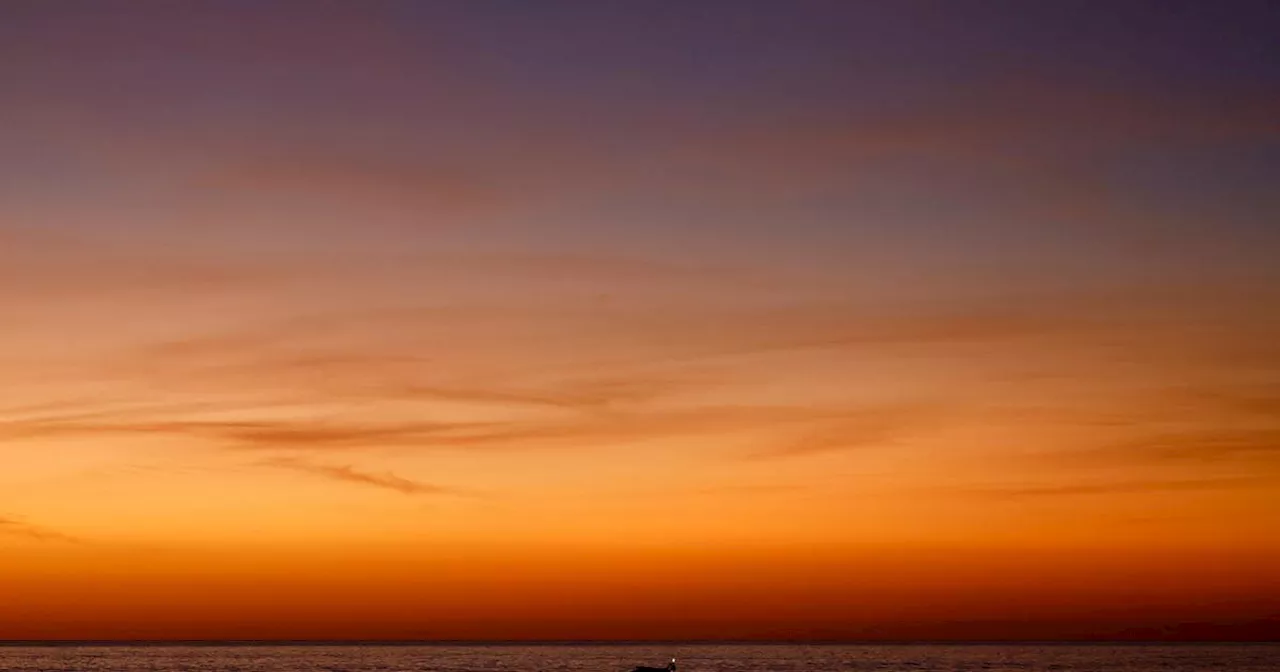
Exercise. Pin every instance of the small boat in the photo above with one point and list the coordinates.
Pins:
(671, 667)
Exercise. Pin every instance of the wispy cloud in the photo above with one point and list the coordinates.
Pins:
(19, 528)
(1214, 444)
(1201, 437)
(1120, 487)
(1246, 400)
(594, 394)
(387, 352)
(549, 431)
(349, 474)
(859, 429)
(751, 489)
(79, 269)
(997, 122)
(373, 181)
(279, 434)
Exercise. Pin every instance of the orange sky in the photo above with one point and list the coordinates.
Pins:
(297, 346)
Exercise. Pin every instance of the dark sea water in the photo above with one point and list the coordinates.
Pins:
(692, 658)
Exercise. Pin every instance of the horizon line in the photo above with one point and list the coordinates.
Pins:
(619, 642)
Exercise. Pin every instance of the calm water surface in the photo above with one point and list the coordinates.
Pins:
(693, 658)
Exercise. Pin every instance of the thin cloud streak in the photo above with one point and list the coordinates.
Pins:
(78, 267)
(860, 429)
(17, 528)
(751, 489)
(349, 474)
(370, 181)
(1233, 483)
(589, 430)
(1207, 445)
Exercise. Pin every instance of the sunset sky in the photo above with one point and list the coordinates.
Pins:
(503, 319)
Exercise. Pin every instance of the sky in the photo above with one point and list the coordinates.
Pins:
(618, 320)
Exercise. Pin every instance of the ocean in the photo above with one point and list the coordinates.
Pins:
(610, 658)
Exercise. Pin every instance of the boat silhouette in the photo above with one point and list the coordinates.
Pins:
(671, 667)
